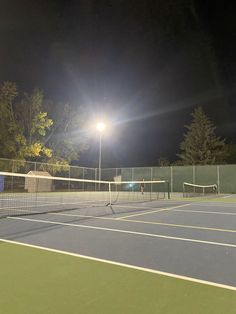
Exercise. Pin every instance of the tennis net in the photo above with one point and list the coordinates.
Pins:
(138, 191)
(24, 194)
(195, 190)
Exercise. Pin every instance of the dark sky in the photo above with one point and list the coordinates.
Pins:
(143, 64)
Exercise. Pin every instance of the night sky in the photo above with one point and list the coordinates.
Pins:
(144, 65)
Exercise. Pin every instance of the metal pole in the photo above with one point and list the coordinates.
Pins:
(193, 174)
(151, 180)
(110, 199)
(69, 180)
(116, 176)
(132, 177)
(95, 178)
(168, 187)
(218, 179)
(83, 179)
(171, 179)
(100, 159)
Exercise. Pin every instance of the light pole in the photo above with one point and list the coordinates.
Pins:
(101, 128)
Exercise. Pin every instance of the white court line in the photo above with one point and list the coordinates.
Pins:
(203, 212)
(179, 225)
(81, 216)
(152, 211)
(232, 205)
(146, 222)
(149, 270)
(124, 231)
(202, 203)
(227, 196)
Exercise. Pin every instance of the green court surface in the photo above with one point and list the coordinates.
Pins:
(34, 281)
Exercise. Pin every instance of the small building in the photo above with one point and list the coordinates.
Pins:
(38, 184)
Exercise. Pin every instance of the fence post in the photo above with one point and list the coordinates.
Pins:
(132, 177)
(218, 179)
(13, 166)
(83, 179)
(151, 180)
(171, 179)
(194, 175)
(95, 179)
(69, 180)
(116, 176)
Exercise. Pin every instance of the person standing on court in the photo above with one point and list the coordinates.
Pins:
(142, 187)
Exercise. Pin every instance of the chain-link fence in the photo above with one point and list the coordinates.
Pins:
(222, 175)
(58, 170)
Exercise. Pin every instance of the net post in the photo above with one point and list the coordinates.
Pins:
(168, 188)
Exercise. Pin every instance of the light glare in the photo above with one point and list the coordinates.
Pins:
(101, 126)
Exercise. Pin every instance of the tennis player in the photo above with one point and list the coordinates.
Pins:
(142, 187)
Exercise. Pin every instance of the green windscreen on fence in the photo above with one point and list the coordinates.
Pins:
(141, 173)
(161, 173)
(108, 174)
(227, 182)
(126, 174)
(223, 176)
(205, 175)
(180, 175)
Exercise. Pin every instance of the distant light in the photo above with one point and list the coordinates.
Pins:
(101, 126)
(130, 185)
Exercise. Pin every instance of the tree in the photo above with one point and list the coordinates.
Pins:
(8, 92)
(201, 146)
(27, 132)
(163, 162)
(24, 123)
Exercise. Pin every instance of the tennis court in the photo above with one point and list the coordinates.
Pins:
(164, 256)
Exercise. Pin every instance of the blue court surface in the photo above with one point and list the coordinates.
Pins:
(192, 241)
